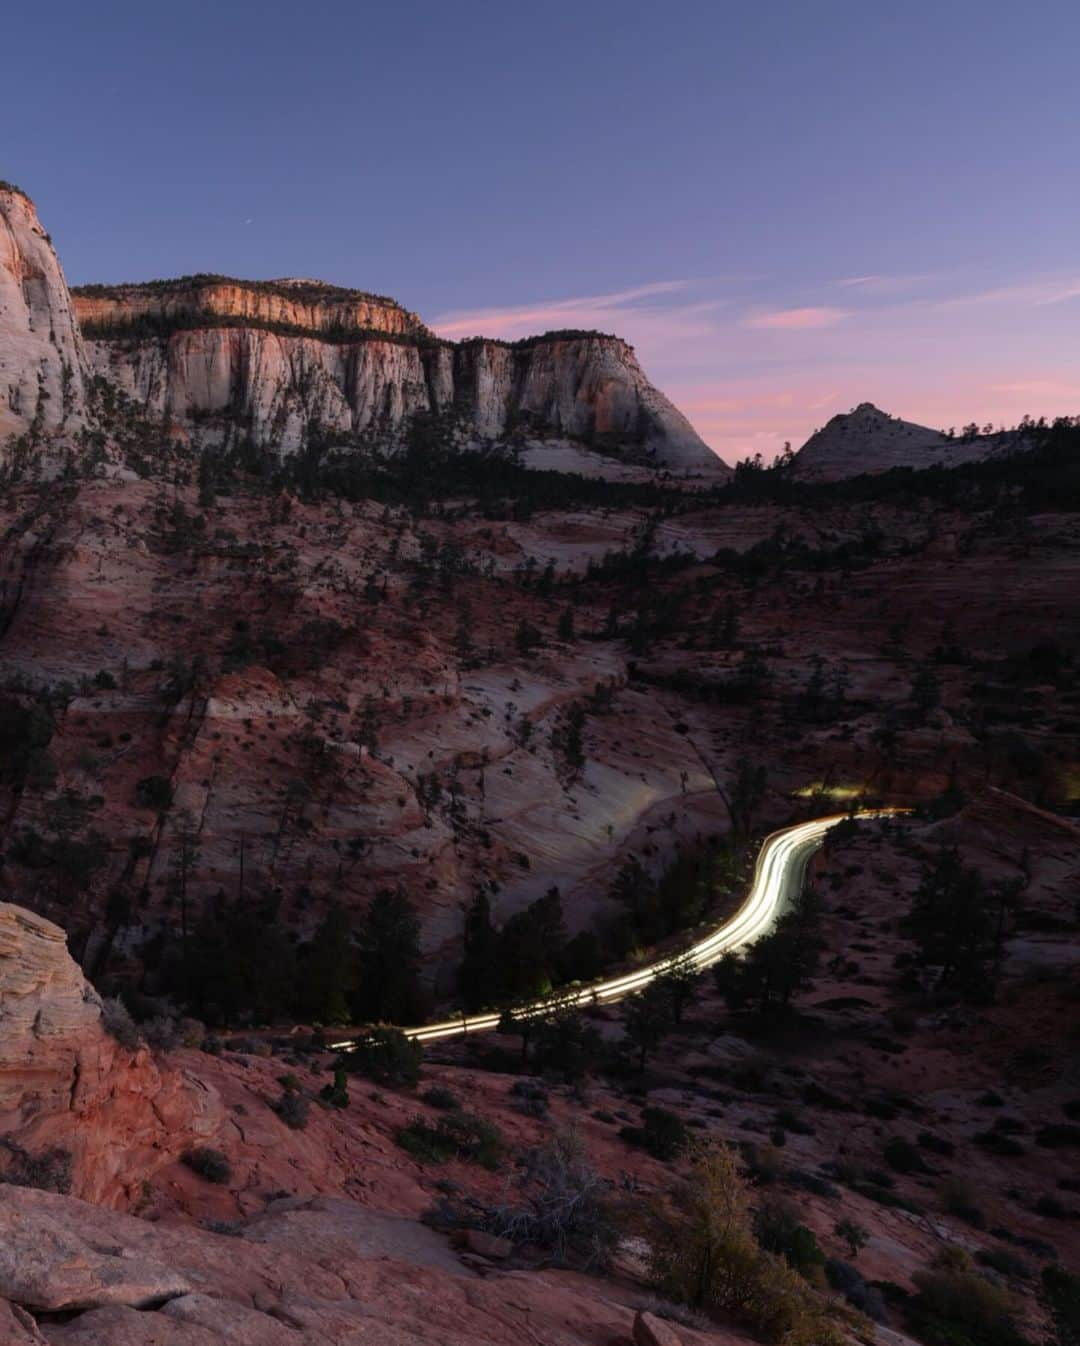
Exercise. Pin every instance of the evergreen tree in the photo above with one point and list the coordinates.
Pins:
(745, 795)
(478, 975)
(680, 984)
(531, 946)
(647, 1020)
(327, 971)
(388, 987)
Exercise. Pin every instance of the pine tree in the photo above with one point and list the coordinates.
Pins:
(478, 975)
(327, 971)
(389, 963)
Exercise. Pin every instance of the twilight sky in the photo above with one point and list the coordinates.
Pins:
(788, 207)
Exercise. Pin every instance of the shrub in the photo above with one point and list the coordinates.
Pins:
(455, 1135)
(387, 1056)
(162, 1033)
(118, 1023)
(791, 1121)
(955, 1306)
(336, 1095)
(661, 1133)
(531, 1098)
(959, 1199)
(846, 1280)
(902, 1156)
(853, 1234)
(439, 1097)
(812, 1182)
(997, 1142)
(154, 792)
(208, 1163)
(293, 1109)
(49, 1170)
(1061, 1290)
(1052, 1208)
(935, 1144)
(1004, 1262)
(778, 1229)
(561, 1206)
(1058, 1135)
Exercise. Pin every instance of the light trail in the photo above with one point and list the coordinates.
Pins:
(780, 867)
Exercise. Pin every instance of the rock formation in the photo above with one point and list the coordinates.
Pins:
(41, 352)
(65, 1083)
(868, 440)
(354, 366)
(280, 359)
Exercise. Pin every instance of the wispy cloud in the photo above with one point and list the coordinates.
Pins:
(579, 311)
(1027, 294)
(1049, 388)
(754, 362)
(797, 319)
(880, 284)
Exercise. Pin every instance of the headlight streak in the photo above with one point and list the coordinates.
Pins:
(782, 856)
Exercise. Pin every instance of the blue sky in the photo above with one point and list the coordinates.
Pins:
(787, 207)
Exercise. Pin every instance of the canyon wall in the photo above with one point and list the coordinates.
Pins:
(41, 351)
(280, 384)
(309, 304)
(278, 359)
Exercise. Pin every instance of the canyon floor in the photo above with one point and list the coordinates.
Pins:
(234, 692)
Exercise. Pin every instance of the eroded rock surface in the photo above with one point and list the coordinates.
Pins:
(41, 352)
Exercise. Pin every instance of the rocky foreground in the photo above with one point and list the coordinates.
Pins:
(876, 1107)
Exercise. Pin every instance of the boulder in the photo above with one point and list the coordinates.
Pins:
(649, 1330)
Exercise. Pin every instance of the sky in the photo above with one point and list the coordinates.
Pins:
(788, 208)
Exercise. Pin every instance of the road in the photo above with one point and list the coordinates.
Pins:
(778, 876)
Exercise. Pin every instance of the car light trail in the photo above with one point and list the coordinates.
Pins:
(780, 863)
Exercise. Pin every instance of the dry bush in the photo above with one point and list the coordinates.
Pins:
(560, 1204)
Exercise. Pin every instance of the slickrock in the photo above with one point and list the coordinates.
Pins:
(281, 1289)
(868, 440)
(65, 1083)
(44, 1264)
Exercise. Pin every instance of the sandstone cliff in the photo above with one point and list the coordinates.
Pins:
(281, 358)
(308, 304)
(41, 352)
(66, 1083)
(281, 376)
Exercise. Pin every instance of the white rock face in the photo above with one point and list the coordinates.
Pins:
(281, 386)
(279, 359)
(41, 354)
(868, 440)
(587, 388)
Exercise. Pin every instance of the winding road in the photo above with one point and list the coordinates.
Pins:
(778, 876)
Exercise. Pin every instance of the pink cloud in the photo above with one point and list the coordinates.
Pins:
(797, 319)
(580, 311)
